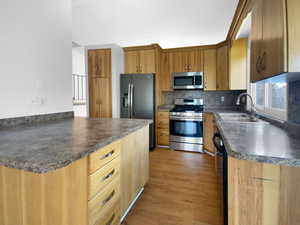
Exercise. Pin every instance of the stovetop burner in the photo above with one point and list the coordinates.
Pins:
(188, 105)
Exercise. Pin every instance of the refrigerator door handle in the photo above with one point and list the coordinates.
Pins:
(131, 100)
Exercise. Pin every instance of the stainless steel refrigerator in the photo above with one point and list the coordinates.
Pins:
(138, 99)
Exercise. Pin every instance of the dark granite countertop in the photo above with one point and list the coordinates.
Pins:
(260, 142)
(51, 145)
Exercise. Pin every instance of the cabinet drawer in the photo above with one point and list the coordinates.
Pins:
(103, 176)
(111, 216)
(163, 123)
(163, 115)
(103, 156)
(104, 200)
(163, 137)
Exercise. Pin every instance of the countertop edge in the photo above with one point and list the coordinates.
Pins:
(249, 157)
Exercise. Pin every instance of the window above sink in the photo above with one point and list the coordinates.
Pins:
(270, 97)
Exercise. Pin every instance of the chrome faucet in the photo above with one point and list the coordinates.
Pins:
(252, 110)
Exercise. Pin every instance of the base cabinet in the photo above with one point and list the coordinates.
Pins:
(162, 130)
(95, 190)
(262, 194)
(134, 166)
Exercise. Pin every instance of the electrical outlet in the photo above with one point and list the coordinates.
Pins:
(222, 98)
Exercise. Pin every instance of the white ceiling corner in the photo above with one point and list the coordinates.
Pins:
(170, 23)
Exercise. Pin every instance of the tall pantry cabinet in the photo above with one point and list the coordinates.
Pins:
(99, 73)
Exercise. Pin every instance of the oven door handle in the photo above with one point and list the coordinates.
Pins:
(199, 119)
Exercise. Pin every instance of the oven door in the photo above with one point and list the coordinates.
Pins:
(186, 130)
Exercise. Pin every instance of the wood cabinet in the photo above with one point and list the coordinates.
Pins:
(100, 97)
(134, 166)
(238, 64)
(94, 190)
(223, 68)
(99, 67)
(187, 61)
(268, 191)
(162, 130)
(165, 82)
(140, 61)
(210, 69)
(268, 39)
(99, 63)
(56, 197)
(209, 129)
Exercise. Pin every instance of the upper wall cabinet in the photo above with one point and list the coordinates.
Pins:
(238, 64)
(165, 81)
(223, 68)
(187, 61)
(99, 61)
(140, 61)
(210, 69)
(275, 34)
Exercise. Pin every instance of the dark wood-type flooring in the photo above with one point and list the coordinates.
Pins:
(183, 190)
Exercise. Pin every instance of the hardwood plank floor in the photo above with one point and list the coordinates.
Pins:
(183, 190)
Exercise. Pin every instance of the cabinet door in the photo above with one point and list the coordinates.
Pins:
(131, 61)
(100, 97)
(222, 68)
(256, 40)
(274, 57)
(147, 61)
(180, 61)
(210, 69)
(209, 129)
(94, 99)
(165, 83)
(99, 62)
(238, 64)
(195, 63)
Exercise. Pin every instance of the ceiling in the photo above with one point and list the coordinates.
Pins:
(170, 23)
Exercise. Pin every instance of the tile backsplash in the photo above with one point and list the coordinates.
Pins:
(212, 99)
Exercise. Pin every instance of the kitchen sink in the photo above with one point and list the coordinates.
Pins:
(240, 118)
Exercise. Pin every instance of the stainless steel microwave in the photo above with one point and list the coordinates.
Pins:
(188, 80)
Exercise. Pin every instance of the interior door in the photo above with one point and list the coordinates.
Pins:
(124, 95)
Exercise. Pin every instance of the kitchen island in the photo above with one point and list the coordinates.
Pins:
(72, 171)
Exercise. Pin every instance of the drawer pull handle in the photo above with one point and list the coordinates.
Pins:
(262, 179)
(111, 219)
(108, 175)
(107, 155)
(108, 198)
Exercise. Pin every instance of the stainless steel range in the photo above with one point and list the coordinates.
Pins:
(186, 125)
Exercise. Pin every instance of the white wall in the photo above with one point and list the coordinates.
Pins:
(78, 67)
(117, 69)
(35, 57)
(78, 60)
